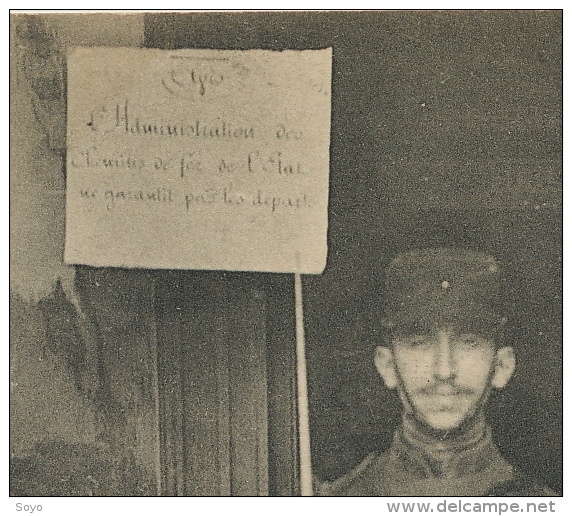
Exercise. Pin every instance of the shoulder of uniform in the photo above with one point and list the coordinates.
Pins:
(521, 484)
(334, 487)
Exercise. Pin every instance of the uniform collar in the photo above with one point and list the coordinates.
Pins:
(428, 456)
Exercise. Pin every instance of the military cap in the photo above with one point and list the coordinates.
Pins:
(428, 288)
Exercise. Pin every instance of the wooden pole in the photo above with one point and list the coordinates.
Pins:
(302, 383)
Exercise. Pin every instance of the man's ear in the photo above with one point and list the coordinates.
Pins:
(505, 363)
(386, 366)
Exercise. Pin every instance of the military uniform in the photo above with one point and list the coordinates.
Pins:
(407, 469)
(441, 293)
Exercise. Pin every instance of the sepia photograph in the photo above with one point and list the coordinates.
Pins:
(287, 253)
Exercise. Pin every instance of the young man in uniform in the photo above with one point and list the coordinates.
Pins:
(444, 354)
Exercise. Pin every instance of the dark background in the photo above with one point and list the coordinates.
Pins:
(446, 130)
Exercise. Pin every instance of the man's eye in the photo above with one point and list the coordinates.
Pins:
(469, 340)
(412, 341)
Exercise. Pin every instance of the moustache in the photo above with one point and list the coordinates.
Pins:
(445, 389)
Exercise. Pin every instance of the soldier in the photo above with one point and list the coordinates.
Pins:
(444, 354)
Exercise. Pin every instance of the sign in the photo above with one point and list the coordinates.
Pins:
(198, 159)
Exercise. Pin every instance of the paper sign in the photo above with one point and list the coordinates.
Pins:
(198, 159)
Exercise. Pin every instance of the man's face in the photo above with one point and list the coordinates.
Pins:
(444, 377)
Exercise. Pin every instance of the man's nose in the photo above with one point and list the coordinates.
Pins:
(445, 368)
